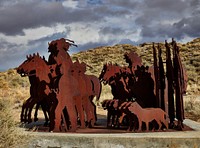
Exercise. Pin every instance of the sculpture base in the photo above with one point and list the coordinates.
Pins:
(103, 138)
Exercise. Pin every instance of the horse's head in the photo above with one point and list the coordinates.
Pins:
(31, 65)
(109, 71)
(133, 59)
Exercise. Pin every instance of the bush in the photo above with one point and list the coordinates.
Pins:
(9, 133)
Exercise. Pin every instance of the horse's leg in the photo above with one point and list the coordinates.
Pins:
(88, 110)
(26, 108)
(22, 112)
(95, 109)
(36, 112)
(45, 110)
(92, 109)
(113, 118)
(31, 105)
(108, 117)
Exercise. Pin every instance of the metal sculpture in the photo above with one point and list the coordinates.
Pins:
(179, 85)
(147, 115)
(138, 83)
(170, 87)
(62, 88)
(113, 113)
(43, 89)
(65, 92)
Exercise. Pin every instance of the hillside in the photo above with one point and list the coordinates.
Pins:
(17, 88)
(190, 55)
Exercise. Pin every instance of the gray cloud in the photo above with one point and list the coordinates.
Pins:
(111, 30)
(169, 19)
(24, 15)
(130, 21)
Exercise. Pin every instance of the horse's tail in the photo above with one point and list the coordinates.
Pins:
(99, 94)
(96, 86)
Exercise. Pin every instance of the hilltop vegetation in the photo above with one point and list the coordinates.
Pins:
(190, 55)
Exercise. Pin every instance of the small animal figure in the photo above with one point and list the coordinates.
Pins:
(149, 114)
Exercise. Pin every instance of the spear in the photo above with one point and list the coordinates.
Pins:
(156, 75)
(161, 78)
(178, 72)
(170, 88)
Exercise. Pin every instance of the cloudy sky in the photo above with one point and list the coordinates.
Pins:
(26, 26)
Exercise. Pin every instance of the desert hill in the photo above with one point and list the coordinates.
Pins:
(190, 55)
(16, 87)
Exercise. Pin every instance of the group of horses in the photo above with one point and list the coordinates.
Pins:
(62, 89)
(142, 93)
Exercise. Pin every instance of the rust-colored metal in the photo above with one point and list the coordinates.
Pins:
(37, 68)
(65, 92)
(179, 85)
(62, 87)
(170, 86)
(113, 113)
(161, 79)
(156, 75)
(157, 91)
(147, 115)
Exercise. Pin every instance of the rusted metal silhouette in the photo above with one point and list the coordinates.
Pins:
(140, 93)
(148, 87)
(43, 91)
(179, 84)
(170, 86)
(161, 79)
(61, 87)
(156, 75)
(113, 112)
(147, 115)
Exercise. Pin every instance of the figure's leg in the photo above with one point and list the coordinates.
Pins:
(64, 122)
(72, 115)
(79, 107)
(58, 113)
(52, 103)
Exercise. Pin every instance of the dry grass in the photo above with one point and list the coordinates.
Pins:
(9, 133)
(13, 91)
